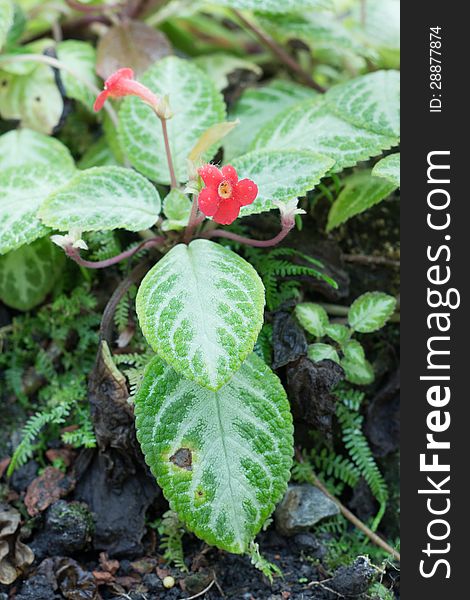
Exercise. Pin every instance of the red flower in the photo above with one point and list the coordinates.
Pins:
(122, 83)
(224, 195)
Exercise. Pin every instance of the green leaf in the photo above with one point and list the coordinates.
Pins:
(219, 65)
(382, 30)
(389, 168)
(361, 191)
(275, 6)
(6, 19)
(371, 311)
(201, 309)
(177, 208)
(337, 332)
(357, 368)
(257, 107)
(80, 57)
(26, 147)
(28, 274)
(318, 352)
(221, 458)
(312, 317)
(33, 99)
(330, 126)
(22, 191)
(103, 198)
(280, 175)
(196, 105)
(369, 102)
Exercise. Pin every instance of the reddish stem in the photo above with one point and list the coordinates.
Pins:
(193, 221)
(174, 183)
(221, 233)
(74, 254)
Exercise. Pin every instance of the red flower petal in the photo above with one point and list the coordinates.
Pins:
(209, 201)
(245, 192)
(118, 76)
(100, 100)
(227, 213)
(230, 174)
(210, 175)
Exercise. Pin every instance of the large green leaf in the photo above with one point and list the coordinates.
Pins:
(28, 274)
(275, 6)
(257, 107)
(280, 175)
(196, 105)
(6, 19)
(26, 147)
(103, 198)
(33, 98)
(80, 58)
(362, 190)
(201, 309)
(389, 168)
(370, 102)
(371, 311)
(328, 125)
(22, 191)
(222, 458)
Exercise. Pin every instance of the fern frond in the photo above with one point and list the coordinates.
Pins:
(171, 531)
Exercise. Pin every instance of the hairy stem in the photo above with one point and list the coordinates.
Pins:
(174, 183)
(279, 52)
(57, 64)
(221, 233)
(74, 254)
(193, 221)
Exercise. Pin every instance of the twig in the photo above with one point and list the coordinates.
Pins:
(325, 587)
(336, 310)
(74, 254)
(203, 591)
(221, 233)
(174, 183)
(279, 52)
(57, 64)
(363, 259)
(374, 538)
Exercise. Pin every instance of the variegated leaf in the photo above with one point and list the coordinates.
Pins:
(276, 6)
(103, 198)
(6, 19)
(196, 105)
(222, 458)
(371, 311)
(80, 57)
(389, 168)
(201, 309)
(26, 147)
(22, 191)
(280, 175)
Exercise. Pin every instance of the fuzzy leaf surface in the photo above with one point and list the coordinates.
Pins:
(196, 105)
(357, 368)
(81, 58)
(274, 6)
(103, 198)
(312, 317)
(26, 147)
(221, 458)
(28, 274)
(22, 191)
(6, 19)
(201, 309)
(280, 175)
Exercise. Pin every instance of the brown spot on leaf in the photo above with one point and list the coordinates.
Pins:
(182, 458)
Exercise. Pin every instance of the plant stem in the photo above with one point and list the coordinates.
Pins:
(221, 233)
(174, 183)
(279, 52)
(74, 254)
(57, 64)
(193, 221)
(336, 310)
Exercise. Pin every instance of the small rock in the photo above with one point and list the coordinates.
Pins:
(309, 544)
(68, 529)
(302, 507)
(23, 476)
(153, 583)
(354, 579)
